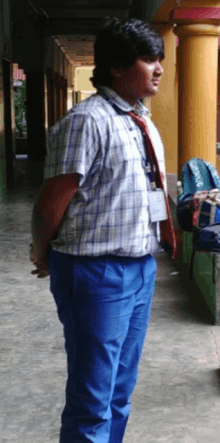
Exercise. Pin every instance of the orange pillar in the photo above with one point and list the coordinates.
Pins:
(197, 57)
(164, 104)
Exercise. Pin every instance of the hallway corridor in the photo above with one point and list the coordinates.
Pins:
(177, 398)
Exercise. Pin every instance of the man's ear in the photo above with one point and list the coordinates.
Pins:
(116, 72)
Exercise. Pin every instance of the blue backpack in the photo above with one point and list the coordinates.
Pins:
(197, 175)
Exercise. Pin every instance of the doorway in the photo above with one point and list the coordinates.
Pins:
(10, 156)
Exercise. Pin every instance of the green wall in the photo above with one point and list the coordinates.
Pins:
(2, 138)
(152, 7)
(145, 9)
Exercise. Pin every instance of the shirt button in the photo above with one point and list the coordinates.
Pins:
(147, 169)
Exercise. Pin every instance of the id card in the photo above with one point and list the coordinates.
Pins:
(157, 205)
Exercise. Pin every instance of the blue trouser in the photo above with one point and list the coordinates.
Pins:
(104, 305)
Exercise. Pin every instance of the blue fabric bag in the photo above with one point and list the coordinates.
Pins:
(207, 239)
(198, 175)
(185, 211)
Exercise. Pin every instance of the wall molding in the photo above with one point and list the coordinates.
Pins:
(199, 15)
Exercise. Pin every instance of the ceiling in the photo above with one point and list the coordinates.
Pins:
(81, 16)
(79, 48)
(74, 23)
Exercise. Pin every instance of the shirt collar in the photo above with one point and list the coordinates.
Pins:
(117, 101)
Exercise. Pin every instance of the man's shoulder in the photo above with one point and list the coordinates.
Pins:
(94, 106)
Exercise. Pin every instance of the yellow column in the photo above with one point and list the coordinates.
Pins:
(197, 57)
(164, 105)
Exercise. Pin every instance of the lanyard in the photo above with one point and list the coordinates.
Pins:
(150, 166)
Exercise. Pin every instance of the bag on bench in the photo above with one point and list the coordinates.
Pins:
(207, 238)
(199, 203)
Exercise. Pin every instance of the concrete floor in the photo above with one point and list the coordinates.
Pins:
(177, 397)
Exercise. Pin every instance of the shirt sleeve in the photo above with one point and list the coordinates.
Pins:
(72, 146)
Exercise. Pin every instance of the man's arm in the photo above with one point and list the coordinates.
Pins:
(52, 201)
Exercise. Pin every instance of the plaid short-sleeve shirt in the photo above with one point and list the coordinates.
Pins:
(109, 213)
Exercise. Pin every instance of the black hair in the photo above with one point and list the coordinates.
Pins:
(118, 45)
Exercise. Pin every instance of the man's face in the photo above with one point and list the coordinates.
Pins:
(139, 80)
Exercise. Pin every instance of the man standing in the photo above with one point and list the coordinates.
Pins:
(96, 222)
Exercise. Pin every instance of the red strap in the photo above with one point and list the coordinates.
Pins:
(166, 226)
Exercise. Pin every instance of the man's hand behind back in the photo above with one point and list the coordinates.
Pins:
(52, 201)
(42, 264)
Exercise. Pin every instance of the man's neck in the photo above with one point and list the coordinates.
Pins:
(123, 93)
